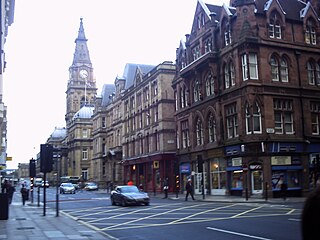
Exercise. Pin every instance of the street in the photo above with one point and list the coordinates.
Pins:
(168, 218)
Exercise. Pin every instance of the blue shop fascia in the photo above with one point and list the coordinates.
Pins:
(261, 168)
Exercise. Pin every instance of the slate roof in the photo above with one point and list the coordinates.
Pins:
(291, 8)
(107, 90)
(130, 71)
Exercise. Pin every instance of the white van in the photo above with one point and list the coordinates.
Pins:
(38, 182)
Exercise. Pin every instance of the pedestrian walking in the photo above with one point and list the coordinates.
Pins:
(284, 188)
(310, 218)
(166, 187)
(189, 189)
(24, 194)
(9, 189)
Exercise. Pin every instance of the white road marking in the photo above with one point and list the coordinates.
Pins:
(236, 233)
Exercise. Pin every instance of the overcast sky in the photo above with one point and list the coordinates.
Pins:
(40, 46)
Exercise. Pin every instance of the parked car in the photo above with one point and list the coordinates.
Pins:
(67, 188)
(128, 195)
(91, 186)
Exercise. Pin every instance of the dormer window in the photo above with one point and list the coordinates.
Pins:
(310, 34)
(207, 45)
(227, 35)
(274, 26)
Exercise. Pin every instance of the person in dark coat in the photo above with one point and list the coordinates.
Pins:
(189, 189)
(8, 189)
(310, 223)
(24, 194)
(283, 189)
(166, 187)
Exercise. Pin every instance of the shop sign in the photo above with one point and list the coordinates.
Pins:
(237, 161)
(281, 160)
(155, 164)
(185, 168)
(255, 167)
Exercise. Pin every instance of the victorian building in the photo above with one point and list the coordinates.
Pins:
(134, 126)
(247, 94)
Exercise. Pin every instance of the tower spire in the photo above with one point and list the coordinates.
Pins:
(81, 54)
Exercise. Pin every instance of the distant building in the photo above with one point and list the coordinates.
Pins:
(6, 19)
(248, 97)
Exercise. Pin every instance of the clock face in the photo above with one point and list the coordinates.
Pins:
(83, 73)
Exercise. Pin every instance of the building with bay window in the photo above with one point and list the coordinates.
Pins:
(247, 94)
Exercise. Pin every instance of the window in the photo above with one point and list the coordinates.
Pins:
(208, 45)
(84, 173)
(183, 97)
(209, 84)
(156, 140)
(185, 134)
(315, 117)
(155, 114)
(229, 75)
(313, 73)
(232, 120)
(274, 26)
(104, 149)
(199, 132)
(253, 119)
(155, 88)
(227, 35)
(85, 154)
(279, 71)
(310, 34)
(283, 116)
(249, 66)
(196, 52)
(212, 128)
(197, 91)
(103, 122)
(84, 133)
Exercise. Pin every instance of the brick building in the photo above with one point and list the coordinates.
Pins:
(247, 94)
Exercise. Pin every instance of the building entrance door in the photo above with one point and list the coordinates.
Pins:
(256, 181)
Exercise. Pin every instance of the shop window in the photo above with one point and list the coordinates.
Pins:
(236, 180)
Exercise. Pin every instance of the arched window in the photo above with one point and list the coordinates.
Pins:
(310, 69)
(209, 84)
(199, 131)
(211, 128)
(229, 75)
(196, 91)
(253, 119)
(279, 69)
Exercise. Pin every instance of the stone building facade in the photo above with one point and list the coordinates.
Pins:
(134, 126)
(248, 98)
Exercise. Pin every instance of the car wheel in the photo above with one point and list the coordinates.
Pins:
(147, 203)
(112, 201)
(123, 203)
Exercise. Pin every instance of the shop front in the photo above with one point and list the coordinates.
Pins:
(286, 170)
(149, 172)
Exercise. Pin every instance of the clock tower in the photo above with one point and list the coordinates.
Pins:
(81, 88)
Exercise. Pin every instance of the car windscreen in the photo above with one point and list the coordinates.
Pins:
(129, 190)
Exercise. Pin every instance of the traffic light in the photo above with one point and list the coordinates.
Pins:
(177, 182)
(32, 168)
(46, 158)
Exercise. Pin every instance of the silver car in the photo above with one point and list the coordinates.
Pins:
(67, 188)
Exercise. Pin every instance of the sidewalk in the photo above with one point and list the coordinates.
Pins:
(28, 223)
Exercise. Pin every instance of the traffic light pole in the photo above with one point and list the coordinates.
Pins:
(44, 193)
